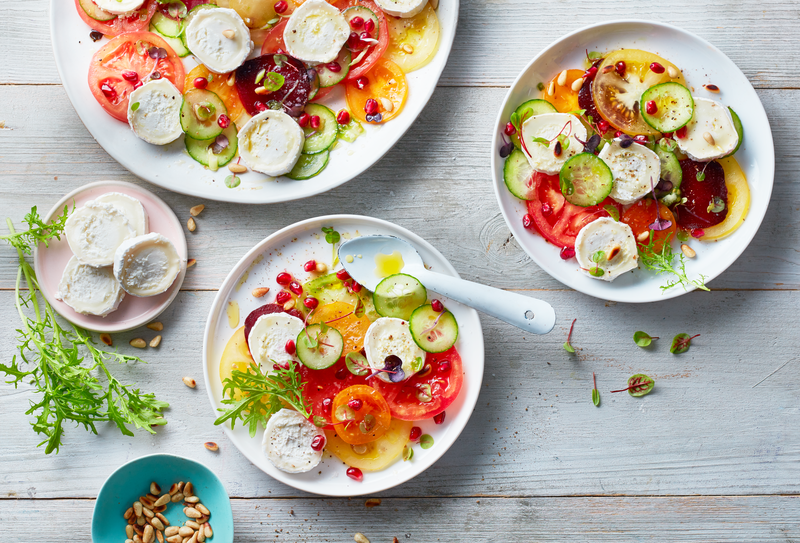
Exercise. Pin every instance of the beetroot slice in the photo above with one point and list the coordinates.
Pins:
(294, 93)
(265, 310)
(586, 101)
(699, 194)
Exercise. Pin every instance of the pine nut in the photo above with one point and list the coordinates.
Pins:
(261, 90)
(709, 138)
(188, 489)
(129, 541)
(106, 338)
(128, 514)
(159, 509)
(577, 84)
(174, 539)
(231, 79)
(551, 88)
(229, 33)
(643, 237)
(137, 509)
(159, 536)
(237, 168)
(155, 489)
(137, 539)
(203, 509)
(138, 530)
(211, 446)
(172, 530)
(191, 262)
(139, 522)
(408, 49)
(372, 502)
(156, 523)
(711, 88)
(180, 486)
(129, 531)
(163, 519)
(191, 383)
(139, 343)
(191, 499)
(688, 251)
(260, 292)
(562, 78)
(673, 72)
(157, 327)
(202, 519)
(288, 305)
(148, 512)
(196, 210)
(387, 104)
(360, 538)
(185, 531)
(192, 524)
(191, 512)
(149, 535)
(155, 342)
(321, 267)
(608, 69)
(163, 500)
(177, 497)
(201, 537)
(207, 530)
(193, 539)
(173, 489)
(191, 225)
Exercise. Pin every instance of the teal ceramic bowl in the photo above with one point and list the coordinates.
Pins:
(124, 486)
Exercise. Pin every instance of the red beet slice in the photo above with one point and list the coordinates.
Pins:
(695, 212)
(265, 310)
(586, 101)
(292, 96)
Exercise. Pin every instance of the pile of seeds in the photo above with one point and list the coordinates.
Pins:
(146, 523)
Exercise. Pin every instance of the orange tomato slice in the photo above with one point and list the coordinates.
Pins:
(387, 81)
(367, 423)
(564, 99)
(219, 86)
(642, 214)
(352, 328)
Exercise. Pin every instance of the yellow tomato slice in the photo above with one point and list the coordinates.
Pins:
(564, 98)
(352, 328)
(386, 80)
(219, 86)
(375, 455)
(236, 356)
(413, 42)
(738, 201)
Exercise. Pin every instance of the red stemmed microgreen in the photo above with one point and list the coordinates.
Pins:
(435, 323)
(643, 339)
(567, 345)
(638, 385)
(681, 343)
(659, 224)
(595, 392)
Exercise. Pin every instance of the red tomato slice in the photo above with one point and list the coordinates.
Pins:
(321, 385)
(274, 43)
(322, 93)
(137, 21)
(446, 376)
(378, 49)
(556, 219)
(129, 52)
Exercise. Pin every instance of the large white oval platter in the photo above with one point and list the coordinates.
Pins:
(288, 250)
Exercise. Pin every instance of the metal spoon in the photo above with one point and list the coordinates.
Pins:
(529, 314)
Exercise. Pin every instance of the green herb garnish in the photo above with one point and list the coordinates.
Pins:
(134, 106)
(567, 345)
(232, 181)
(595, 392)
(642, 339)
(332, 237)
(681, 343)
(426, 441)
(662, 263)
(274, 81)
(612, 211)
(638, 385)
(408, 453)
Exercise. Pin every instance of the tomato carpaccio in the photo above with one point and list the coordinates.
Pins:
(321, 385)
(445, 378)
(366, 64)
(138, 20)
(293, 94)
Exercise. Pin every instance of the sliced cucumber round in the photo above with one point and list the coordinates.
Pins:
(737, 124)
(517, 173)
(350, 131)
(433, 332)
(175, 43)
(674, 106)
(320, 139)
(189, 17)
(203, 150)
(670, 166)
(309, 165)
(167, 26)
(199, 114)
(398, 296)
(327, 77)
(319, 346)
(95, 12)
(586, 180)
(528, 110)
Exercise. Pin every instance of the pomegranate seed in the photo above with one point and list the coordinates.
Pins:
(369, 25)
(656, 68)
(108, 91)
(311, 302)
(200, 82)
(363, 36)
(698, 233)
(437, 306)
(283, 297)
(284, 278)
(260, 106)
(315, 121)
(641, 139)
(318, 443)
(650, 107)
(567, 253)
(620, 67)
(290, 347)
(356, 287)
(444, 366)
(304, 119)
(355, 404)
(371, 107)
(334, 67)
(137, 84)
(353, 41)
(438, 419)
(618, 134)
(547, 209)
(280, 7)
(667, 134)
(343, 117)
(416, 431)
(361, 82)
(310, 266)
(130, 75)
(341, 373)
(296, 287)
(356, 22)
(527, 221)
(591, 72)
(681, 132)
(342, 275)
(603, 126)
(224, 121)
(510, 130)
(327, 404)
(355, 474)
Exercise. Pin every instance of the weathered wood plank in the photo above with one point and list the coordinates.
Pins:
(495, 40)
(534, 431)
(444, 192)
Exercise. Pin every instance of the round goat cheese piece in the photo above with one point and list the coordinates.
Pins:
(96, 230)
(268, 337)
(402, 8)
(271, 142)
(710, 134)
(219, 39)
(287, 442)
(316, 32)
(89, 290)
(132, 208)
(389, 336)
(607, 245)
(542, 157)
(154, 112)
(119, 7)
(634, 167)
(146, 265)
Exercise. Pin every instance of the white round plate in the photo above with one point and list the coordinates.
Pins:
(49, 262)
(701, 63)
(172, 168)
(288, 250)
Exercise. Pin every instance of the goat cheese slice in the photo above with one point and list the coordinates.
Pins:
(271, 142)
(154, 112)
(542, 157)
(389, 336)
(119, 7)
(616, 243)
(146, 265)
(89, 290)
(710, 118)
(316, 32)
(268, 337)
(219, 38)
(634, 168)
(287, 442)
(402, 8)
(95, 230)
(132, 209)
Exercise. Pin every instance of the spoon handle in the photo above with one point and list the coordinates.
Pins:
(526, 313)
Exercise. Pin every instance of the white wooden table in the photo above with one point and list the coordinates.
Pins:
(706, 457)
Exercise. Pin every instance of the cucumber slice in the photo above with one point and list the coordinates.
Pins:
(166, 26)
(365, 13)
(189, 17)
(350, 131)
(517, 173)
(175, 43)
(320, 139)
(528, 110)
(675, 106)
(585, 180)
(319, 346)
(398, 296)
(201, 151)
(437, 339)
(737, 124)
(328, 78)
(309, 165)
(670, 166)
(199, 113)
(95, 12)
